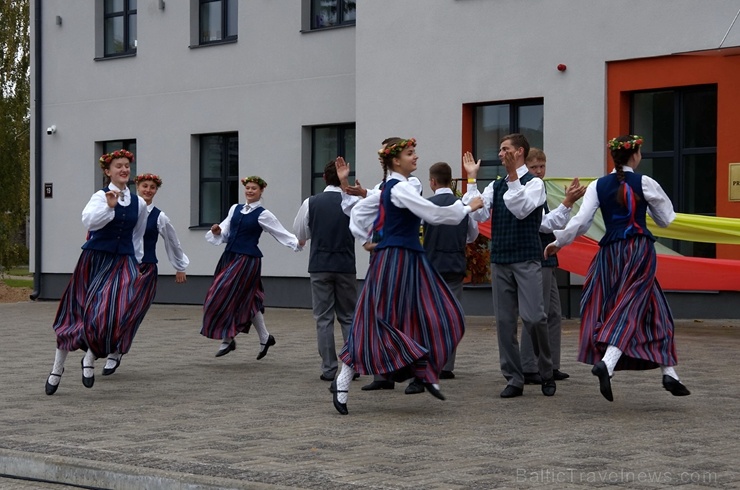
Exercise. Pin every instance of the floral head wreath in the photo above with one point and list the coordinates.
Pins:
(109, 157)
(257, 180)
(152, 177)
(395, 149)
(633, 143)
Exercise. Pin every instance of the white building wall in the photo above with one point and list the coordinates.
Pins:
(406, 69)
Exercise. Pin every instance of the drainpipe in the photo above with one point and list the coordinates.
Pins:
(37, 191)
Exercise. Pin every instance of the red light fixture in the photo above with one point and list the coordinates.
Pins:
(562, 67)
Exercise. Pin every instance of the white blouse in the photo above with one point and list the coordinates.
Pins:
(97, 214)
(176, 256)
(266, 220)
(660, 209)
(404, 195)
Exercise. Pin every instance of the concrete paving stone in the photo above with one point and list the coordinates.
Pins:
(175, 417)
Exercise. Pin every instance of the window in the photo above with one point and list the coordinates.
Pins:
(217, 21)
(680, 151)
(327, 143)
(493, 121)
(130, 145)
(331, 13)
(119, 26)
(219, 176)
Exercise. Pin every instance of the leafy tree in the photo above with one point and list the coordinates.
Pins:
(14, 132)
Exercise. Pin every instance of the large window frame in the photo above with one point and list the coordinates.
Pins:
(221, 14)
(113, 145)
(327, 14)
(512, 116)
(328, 142)
(119, 14)
(680, 151)
(218, 176)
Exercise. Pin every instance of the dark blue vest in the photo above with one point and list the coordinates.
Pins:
(245, 231)
(513, 240)
(445, 244)
(620, 221)
(117, 236)
(332, 244)
(151, 235)
(401, 226)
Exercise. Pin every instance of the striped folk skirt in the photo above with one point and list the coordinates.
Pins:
(407, 321)
(95, 309)
(623, 305)
(235, 296)
(145, 288)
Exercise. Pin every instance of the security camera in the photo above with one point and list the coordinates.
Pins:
(51, 129)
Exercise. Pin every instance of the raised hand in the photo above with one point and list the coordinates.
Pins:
(470, 165)
(573, 193)
(342, 170)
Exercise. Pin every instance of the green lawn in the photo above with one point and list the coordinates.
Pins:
(19, 283)
(18, 271)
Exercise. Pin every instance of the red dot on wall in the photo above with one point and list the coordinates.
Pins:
(562, 67)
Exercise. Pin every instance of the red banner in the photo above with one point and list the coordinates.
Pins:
(675, 272)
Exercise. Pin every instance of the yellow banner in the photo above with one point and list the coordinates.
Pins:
(689, 227)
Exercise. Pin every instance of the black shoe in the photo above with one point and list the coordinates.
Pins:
(434, 391)
(326, 378)
(355, 376)
(415, 387)
(379, 384)
(511, 391)
(559, 375)
(88, 382)
(229, 348)
(265, 346)
(548, 387)
(446, 375)
(532, 379)
(50, 388)
(341, 407)
(109, 371)
(675, 386)
(605, 384)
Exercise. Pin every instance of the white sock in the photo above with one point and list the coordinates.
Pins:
(611, 357)
(112, 360)
(259, 324)
(669, 371)
(225, 343)
(343, 381)
(59, 357)
(88, 360)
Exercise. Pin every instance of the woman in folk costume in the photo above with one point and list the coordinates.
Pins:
(234, 301)
(95, 309)
(626, 322)
(157, 224)
(407, 321)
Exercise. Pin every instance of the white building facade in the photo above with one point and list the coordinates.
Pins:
(206, 92)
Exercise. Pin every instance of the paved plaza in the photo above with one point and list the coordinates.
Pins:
(175, 417)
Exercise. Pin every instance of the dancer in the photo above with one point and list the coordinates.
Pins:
(331, 266)
(157, 224)
(407, 321)
(626, 322)
(552, 220)
(445, 245)
(95, 310)
(516, 203)
(234, 301)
